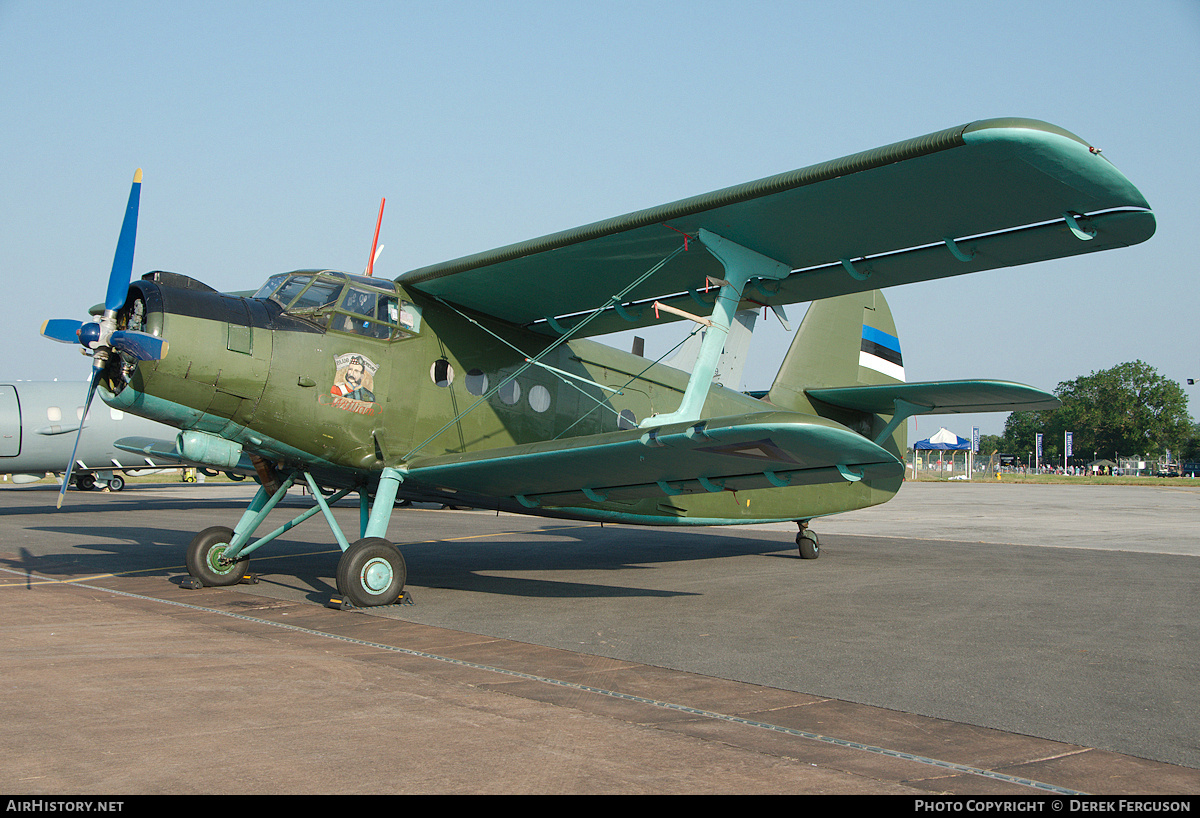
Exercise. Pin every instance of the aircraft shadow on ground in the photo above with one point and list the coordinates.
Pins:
(487, 565)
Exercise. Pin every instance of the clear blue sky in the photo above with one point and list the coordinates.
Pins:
(268, 131)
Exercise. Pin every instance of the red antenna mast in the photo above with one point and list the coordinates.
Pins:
(375, 241)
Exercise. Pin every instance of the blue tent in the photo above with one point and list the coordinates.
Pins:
(944, 439)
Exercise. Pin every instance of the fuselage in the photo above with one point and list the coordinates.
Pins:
(342, 375)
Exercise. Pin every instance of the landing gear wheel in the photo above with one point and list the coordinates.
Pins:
(371, 572)
(117, 483)
(810, 548)
(85, 482)
(205, 558)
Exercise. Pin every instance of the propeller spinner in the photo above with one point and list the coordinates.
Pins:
(102, 337)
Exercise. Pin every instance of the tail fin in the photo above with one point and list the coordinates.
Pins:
(733, 356)
(845, 341)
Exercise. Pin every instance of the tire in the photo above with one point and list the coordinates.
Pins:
(117, 483)
(203, 557)
(810, 548)
(371, 572)
(85, 482)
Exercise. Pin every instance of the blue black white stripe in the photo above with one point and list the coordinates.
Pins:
(880, 352)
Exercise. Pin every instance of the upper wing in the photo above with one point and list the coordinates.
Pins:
(1003, 191)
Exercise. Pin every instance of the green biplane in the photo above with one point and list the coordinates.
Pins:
(476, 383)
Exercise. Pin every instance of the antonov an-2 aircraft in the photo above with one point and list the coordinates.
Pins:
(475, 382)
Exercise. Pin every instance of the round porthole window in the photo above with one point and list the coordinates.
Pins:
(539, 398)
(510, 392)
(441, 372)
(476, 382)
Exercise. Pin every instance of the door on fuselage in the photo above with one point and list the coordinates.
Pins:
(10, 421)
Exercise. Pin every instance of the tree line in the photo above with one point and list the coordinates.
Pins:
(1129, 409)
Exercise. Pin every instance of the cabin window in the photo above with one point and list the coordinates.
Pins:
(539, 398)
(510, 392)
(476, 382)
(441, 372)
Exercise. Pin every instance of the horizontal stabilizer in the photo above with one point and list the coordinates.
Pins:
(938, 397)
(763, 450)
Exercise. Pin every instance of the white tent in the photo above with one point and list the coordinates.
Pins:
(944, 439)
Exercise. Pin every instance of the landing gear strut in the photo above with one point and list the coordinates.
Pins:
(371, 571)
(807, 542)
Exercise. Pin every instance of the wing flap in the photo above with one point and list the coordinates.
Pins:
(996, 177)
(737, 453)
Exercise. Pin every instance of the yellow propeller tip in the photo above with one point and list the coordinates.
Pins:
(137, 177)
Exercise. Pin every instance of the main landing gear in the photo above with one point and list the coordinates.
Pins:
(371, 571)
(87, 482)
(806, 541)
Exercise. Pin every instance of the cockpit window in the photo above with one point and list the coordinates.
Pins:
(374, 314)
(291, 289)
(360, 302)
(268, 289)
(319, 294)
(344, 303)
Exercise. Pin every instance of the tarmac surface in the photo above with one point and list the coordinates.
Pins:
(1001, 640)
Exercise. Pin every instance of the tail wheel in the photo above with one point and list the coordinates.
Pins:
(371, 572)
(206, 558)
(810, 548)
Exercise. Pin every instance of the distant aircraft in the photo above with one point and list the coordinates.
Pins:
(475, 382)
(39, 422)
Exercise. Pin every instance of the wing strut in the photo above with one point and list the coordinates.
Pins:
(741, 265)
(904, 410)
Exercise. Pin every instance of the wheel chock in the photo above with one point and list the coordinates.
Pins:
(339, 604)
(193, 584)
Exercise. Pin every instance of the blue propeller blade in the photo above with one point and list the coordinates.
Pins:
(63, 330)
(122, 269)
(141, 345)
(86, 408)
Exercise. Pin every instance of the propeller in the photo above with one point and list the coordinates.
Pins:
(101, 337)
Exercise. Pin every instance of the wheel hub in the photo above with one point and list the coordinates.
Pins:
(217, 561)
(376, 576)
